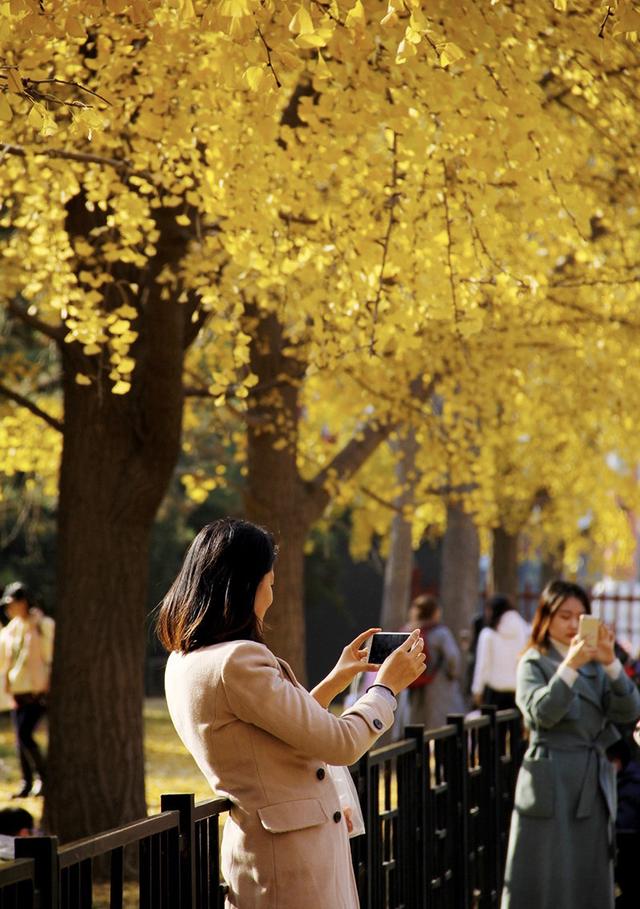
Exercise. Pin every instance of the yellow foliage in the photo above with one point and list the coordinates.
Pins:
(461, 219)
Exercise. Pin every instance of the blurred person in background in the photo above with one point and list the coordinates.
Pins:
(500, 645)
(624, 757)
(571, 693)
(14, 822)
(437, 693)
(26, 654)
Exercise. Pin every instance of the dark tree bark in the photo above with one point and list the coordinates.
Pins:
(398, 570)
(459, 578)
(118, 456)
(505, 562)
(552, 565)
(276, 495)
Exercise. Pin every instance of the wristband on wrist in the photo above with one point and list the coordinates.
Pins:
(379, 685)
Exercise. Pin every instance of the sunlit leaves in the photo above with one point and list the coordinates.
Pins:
(415, 192)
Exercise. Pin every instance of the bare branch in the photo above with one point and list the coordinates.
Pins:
(54, 332)
(344, 464)
(269, 61)
(83, 157)
(19, 399)
(78, 85)
(449, 228)
(391, 204)
(603, 25)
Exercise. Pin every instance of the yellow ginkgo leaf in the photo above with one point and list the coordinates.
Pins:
(82, 379)
(121, 387)
(302, 23)
(450, 53)
(254, 76)
(5, 109)
(322, 71)
(356, 17)
(14, 81)
(75, 28)
(35, 117)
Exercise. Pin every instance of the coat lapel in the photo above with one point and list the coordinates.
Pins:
(587, 685)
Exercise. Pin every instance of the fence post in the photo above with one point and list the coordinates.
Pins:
(494, 819)
(184, 805)
(44, 852)
(418, 873)
(461, 799)
(360, 845)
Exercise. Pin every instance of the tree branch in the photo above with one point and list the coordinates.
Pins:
(55, 333)
(19, 399)
(344, 464)
(391, 204)
(83, 157)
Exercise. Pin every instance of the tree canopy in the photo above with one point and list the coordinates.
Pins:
(429, 210)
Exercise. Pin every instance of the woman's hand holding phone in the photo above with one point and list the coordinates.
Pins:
(353, 659)
(580, 653)
(404, 665)
(605, 651)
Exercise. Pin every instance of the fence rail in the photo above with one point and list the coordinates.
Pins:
(436, 807)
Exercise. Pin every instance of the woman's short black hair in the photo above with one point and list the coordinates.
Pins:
(498, 605)
(212, 598)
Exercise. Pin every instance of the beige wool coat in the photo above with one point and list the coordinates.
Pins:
(264, 742)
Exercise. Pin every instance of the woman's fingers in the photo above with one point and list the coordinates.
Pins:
(359, 641)
(413, 641)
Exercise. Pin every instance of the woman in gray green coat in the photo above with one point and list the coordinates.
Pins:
(562, 836)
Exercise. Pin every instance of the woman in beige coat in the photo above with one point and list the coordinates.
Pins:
(257, 735)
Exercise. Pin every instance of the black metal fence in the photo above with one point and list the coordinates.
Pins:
(436, 807)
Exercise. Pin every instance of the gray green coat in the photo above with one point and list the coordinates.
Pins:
(561, 839)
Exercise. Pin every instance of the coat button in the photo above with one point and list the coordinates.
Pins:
(377, 723)
(320, 773)
(337, 817)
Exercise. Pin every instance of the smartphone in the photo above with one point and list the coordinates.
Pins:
(385, 642)
(589, 628)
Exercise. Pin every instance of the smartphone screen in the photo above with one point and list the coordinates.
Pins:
(589, 627)
(385, 642)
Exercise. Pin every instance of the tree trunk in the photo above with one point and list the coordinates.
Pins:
(398, 570)
(505, 563)
(274, 494)
(552, 565)
(118, 456)
(459, 579)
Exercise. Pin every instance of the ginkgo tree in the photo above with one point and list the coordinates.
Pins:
(347, 192)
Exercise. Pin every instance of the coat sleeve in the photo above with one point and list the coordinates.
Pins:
(257, 693)
(483, 658)
(621, 700)
(543, 703)
(450, 653)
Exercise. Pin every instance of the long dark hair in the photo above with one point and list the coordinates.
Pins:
(499, 604)
(212, 598)
(551, 599)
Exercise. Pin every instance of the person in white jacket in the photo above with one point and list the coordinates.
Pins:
(499, 648)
